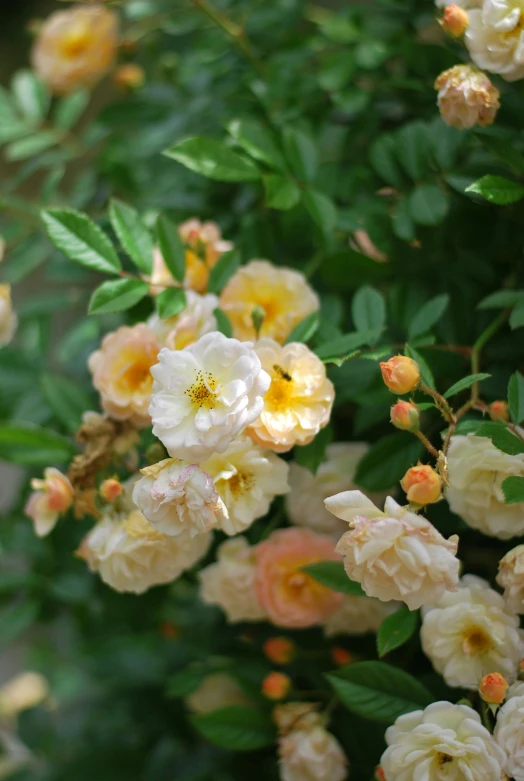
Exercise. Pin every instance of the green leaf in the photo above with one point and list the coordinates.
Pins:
(117, 295)
(333, 575)
(465, 382)
(387, 461)
(428, 315)
(339, 350)
(281, 193)
(171, 248)
(304, 330)
(69, 109)
(501, 437)
(378, 691)
(513, 489)
(257, 141)
(222, 271)
(503, 150)
(187, 681)
(516, 398)
(501, 299)
(212, 158)
(132, 234)
(236, 728)
(31, 145)
(31, 95)
(497, 189)
(403, 225)
(428, 204)
(368, 309)
(67, 400)
(223, 322)
(78, 237)
(301, 153)
(322, 209)
(383, 158)
(170, 302)
(413, 149)
(516, 318)
(396, 630)
(22, 443)
(312, 455)
(425, 371)
(17, 618)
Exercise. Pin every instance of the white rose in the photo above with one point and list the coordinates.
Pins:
(476, 471)
(230, 582)
(495, 38)
(311, 755)
(358, 616)
(206, 394)
(511, 578)
(471, 633)
(216, 691)
(187, 327)
(8, 318)
(179, 498)
(444, 741)
(305, 502)
(395, 554)
(247, 478)
(509, 733)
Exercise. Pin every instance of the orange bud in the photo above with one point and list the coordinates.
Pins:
(405, 416)
(493, 688)
(401, 374)
(379, 774)
(455, 20)
(110, 489)
(341, 656)
(276, 686)
(168, 630)
(279, 650)
(499, 410)
(129, 77)
(422, 484)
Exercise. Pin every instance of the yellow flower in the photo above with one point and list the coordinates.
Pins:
(281, 294)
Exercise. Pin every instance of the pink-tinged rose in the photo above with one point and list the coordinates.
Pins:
(53, 496)
(405, 416)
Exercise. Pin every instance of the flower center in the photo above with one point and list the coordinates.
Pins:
(201, 392)
(75, 44)
(443, 758)
(280, 391)
(240, 483)
(476, 641)
(137, 376)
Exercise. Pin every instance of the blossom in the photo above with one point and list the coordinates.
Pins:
(230, 582)
(282, 294)
(276, 686)
(307, 751)
(358, 616)
(509, 732)
(405, 416)
(111, 489)
(75, 48)
(466, 97)
(247, 478)
(511, 578)
(206, 394)
(299, 400)
(400, 374)
(305, 501)
(476, 471)
(187, 327)
(53, 496)
(422, 485)
(495, 38)
(218, 690)
(8, 318)
(121, 371)
(470, 633)
(289, 595)
(24, 691)
(394, 554)
(178, 498)
(455, 20)
(441, 741)
(131, 556)
(493, 688)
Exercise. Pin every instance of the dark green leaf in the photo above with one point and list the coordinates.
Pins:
(465, 382)
(23, 443)
(222, 271)
(513, 489)
(171, 248)
(67, 399)
(187, 681)
(223, 323)
(387, 461)
(322, 209)
(170, 302)
(339, 350)
(116, 295)
(212, 158)
(301, 153)
(281, 193)
(236, 728)
(312, 455)
(78, 237)
(257, 141)
(428, 204)
(516, 397)
(413, 151)
(383, 158)
(497, 189)
(333, 575)
(502, 299)
(15, 619)
(368, 309)
(132, 234)
(516, 318)
(425, 371)
(396, 630)
(429, 314)
(501, 437)
(304, 330)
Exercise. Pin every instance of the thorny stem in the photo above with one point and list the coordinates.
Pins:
(439, 400)
(427, 444)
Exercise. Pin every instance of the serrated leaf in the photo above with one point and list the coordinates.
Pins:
(281, 193)
(516, 318)
(368, 309)
(387, 461)
(78, 237)
(465, 382)
(428, 204)
(301, 153)
(396, 630)
(223, 322)
(223, 269)
(116, 295)
(22, 443)
(322, 210)
(501, 299)
(170, 302)
(171, 247)
(333, 575)
(501, 437)
(236, 728)
(378, 691)
(212, 158)
(497, 189)
(132, 234)
(513, 489)
(428, 314)
(341, 349)
(305, 330)
(516, 398)
(67, 400)
(257, 141)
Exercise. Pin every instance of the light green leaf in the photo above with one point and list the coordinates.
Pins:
(428, 315)
(281, 193)
(368, 309)
(501, 299)
(212, 158)
(222, 271)
(171, 247)
(428, 204)
(501, 437)
(31, 145)
(67, 399)
(513, 489)
(387, 461)
(23, 443)
(516, 398)
(396, 630)
(69, 109)
(322, 209)
(236, 728)
(465, 382)
(301, 153)
(333, 575)
(223, 323)
(304, 330)
(170, 302)
(78, 237)
(516, 318)
(497, 189)
(31, 95)
(257, 141)
(132, 234)
(340, 350)
(116, 295)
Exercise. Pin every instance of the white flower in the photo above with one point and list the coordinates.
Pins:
(230, 582)
(8, 318)
(444, 742)
(509, 732)
(206, 394)
(129, 555)
(179, 498)
(358, 616)
(218, 690)
(477, 470)
(187, 327)
(394, 554)
(471, 633)
(305, 502)
(495, 38)
(311, 754)
(511, 578)
(247, 478)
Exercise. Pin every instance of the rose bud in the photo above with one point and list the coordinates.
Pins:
(493, 688)
(379, 774)
(129, 77)
(422, 485)
(405, 416)
(279, 650)
(276, 686)
(340, 656)
(401, 374)
(499, 410)
(455, 20)
(110, 489)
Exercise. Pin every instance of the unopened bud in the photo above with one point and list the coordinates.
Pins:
(401, 374)
(276, 686)
(110, 489)
(493, 688)
(405, 416)
(258, 315)
(340, 656)
(279, 650)
(168, 630)
(129, 77)
(499, 410)
(466, 97)
(455, 20)
(422, 485)
(379, 774)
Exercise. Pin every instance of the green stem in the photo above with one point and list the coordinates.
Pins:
(481, 342)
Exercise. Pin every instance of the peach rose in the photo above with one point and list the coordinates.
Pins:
(53, 495)
(422, 485)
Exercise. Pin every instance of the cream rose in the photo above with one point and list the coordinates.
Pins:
(511, 578)
(509, 731)
(358, 616)
(495, 38)
(466, 97)
(307, 751)
(187, 327)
